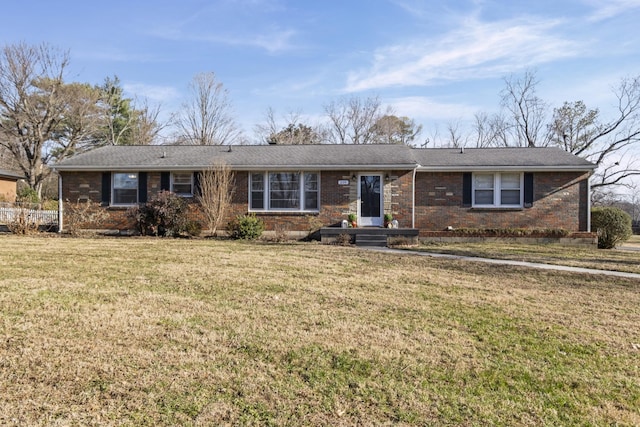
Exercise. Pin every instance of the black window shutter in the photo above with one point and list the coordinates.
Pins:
(196, 183)
(142, 187)
(165, 181)
(528, 189)
(466, 189)
(106, 188)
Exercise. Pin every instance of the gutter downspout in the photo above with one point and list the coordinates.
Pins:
(60, 205)
(413, 198)
(589, 203)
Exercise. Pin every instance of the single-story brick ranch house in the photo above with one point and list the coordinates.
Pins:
(428, 189)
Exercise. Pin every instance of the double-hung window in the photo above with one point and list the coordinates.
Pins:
(284, 191)
(125, 188)
(497, 189)
(182, 183)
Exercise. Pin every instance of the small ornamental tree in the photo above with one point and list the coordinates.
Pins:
(613, 226)
(215, 193)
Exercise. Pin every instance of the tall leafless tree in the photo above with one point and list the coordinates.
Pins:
(147, 125)
(527, 110)
(612, 145)
(207, 117)
(292, 132)
(41, 118)
(352, 120)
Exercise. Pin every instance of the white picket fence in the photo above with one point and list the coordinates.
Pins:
(8, 215)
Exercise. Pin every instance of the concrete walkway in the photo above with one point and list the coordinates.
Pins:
(511, 262)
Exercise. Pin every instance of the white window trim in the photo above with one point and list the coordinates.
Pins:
(267, 193)
(497, 190)
(182, 194)
(113, 188)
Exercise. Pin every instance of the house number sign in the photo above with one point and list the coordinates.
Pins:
(343, 182)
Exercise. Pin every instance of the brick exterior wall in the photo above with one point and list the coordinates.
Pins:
(560, 201)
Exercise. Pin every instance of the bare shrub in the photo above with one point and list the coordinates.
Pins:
(23, 223)
(343, 239)
(280, 233)
(215, 193)
(83, 214)
(314, 227)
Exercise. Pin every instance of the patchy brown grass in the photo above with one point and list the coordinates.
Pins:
(203, 332)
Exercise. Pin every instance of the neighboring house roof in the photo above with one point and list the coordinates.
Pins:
(7, 174)
(320, 157)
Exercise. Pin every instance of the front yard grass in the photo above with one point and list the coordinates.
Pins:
(143, 331)
(586, 257)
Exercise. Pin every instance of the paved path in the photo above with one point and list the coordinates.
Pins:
(511, 262)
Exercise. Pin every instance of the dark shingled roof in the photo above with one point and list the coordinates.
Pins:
(319, 157)
(4, 173)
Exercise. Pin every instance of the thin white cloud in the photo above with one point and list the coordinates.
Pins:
(163, 94)
(605, 9)
(273, 40)
(475, 50)
(420, 107)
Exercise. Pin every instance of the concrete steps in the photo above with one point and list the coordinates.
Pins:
(374, 239)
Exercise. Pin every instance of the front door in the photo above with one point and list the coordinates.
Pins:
(370, 195)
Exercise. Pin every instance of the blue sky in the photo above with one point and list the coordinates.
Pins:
(434, 61)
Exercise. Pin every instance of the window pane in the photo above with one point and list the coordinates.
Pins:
(484, 197)
(257, 191)
(125, 180)
(125, 188)
(510, 197)
(510, 181)
(182, 183)
(311, 191)
(284, 190)
(483, 181)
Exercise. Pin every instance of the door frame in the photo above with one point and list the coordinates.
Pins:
(370, 221)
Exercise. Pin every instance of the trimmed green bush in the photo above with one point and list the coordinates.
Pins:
(613, 226)
(245, 227)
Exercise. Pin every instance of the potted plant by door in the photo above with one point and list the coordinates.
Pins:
(353, 220)
(387, 220)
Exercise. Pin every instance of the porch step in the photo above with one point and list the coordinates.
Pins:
(377, 240)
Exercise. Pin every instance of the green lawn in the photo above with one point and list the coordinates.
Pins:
(142, 331)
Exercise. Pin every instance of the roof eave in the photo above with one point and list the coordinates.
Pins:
(498, 168)
(233, 167)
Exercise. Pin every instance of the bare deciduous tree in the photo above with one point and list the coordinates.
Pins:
(456, 138)
(613, 145)
(215, 193)
(527, 110)
(147, 126)
(41, 118)
(293, 132)
(352, 120)
(491, 130)
(207, 117)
